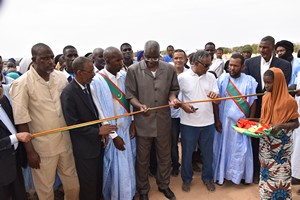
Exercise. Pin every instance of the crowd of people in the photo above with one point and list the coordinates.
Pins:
(112, 160)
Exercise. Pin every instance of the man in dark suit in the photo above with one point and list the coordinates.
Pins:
(11, 177)
(69, 55)
(78, 107)
(256, 67)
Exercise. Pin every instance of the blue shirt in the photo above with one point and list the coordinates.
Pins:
(295, 69)
(168, 59)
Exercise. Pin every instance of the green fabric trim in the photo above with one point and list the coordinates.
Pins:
(117, 93)
(240, 102)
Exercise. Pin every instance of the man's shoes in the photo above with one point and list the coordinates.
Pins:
(219, 184)
(168, 193)
(186, 187)
(298, 192)
(175, 172)
(210, 186)
(144, 197)
(244, 182)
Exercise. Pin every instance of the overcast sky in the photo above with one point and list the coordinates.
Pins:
(186, 24)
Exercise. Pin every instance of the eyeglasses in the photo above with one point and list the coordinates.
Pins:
(89, 72)
(205, 65)
(129, 49)
(151, 59)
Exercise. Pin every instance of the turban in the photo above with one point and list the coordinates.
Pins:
(247, 48)
(139, 55)
(289, 47)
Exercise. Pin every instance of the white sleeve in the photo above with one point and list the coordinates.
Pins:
(100, 112)
(215, 86)
(13, 139)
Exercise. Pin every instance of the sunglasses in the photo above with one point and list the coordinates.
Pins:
(129, 49)
(205, 65)
(151, 59)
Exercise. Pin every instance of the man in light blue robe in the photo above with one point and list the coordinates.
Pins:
(233, 158)
(119, 157)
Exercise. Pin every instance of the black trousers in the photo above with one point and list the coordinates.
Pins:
(90, 175)
(16, 189)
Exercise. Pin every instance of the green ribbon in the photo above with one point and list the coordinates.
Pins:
(241, 103)
(117, 93)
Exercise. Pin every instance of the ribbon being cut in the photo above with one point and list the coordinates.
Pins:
(253, 129)
(150, 109)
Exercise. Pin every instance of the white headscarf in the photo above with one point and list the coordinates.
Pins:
(24, 64)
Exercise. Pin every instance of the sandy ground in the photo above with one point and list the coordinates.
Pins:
(228, 191)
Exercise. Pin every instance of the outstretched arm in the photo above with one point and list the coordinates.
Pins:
(32, 156)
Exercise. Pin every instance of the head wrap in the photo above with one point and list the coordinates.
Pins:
(247, 48)
(24, 64)
(13, 75)
(278, 106)
(289, 48)
(56, 58)
(12, 60)
(139, 55)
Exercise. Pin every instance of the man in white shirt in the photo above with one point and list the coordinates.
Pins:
(197, 122)
(217, 65)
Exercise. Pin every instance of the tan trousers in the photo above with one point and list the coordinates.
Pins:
(44, 177)
(163, 155)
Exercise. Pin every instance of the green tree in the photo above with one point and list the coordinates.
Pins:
(296, 47)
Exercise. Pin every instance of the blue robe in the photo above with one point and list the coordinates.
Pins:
(119, 181)
(233, 158)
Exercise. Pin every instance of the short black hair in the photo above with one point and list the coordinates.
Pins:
(88, 54)
(170, 46)
(56, 58)
(269, 39)
(220, 49)
(269, 73)
(125, 44)
(35, 48)
(180, 50)
(78, 63)
(237, 55)
(210, 43)
(68, 47)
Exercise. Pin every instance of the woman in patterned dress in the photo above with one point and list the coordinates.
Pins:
(279, 110)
